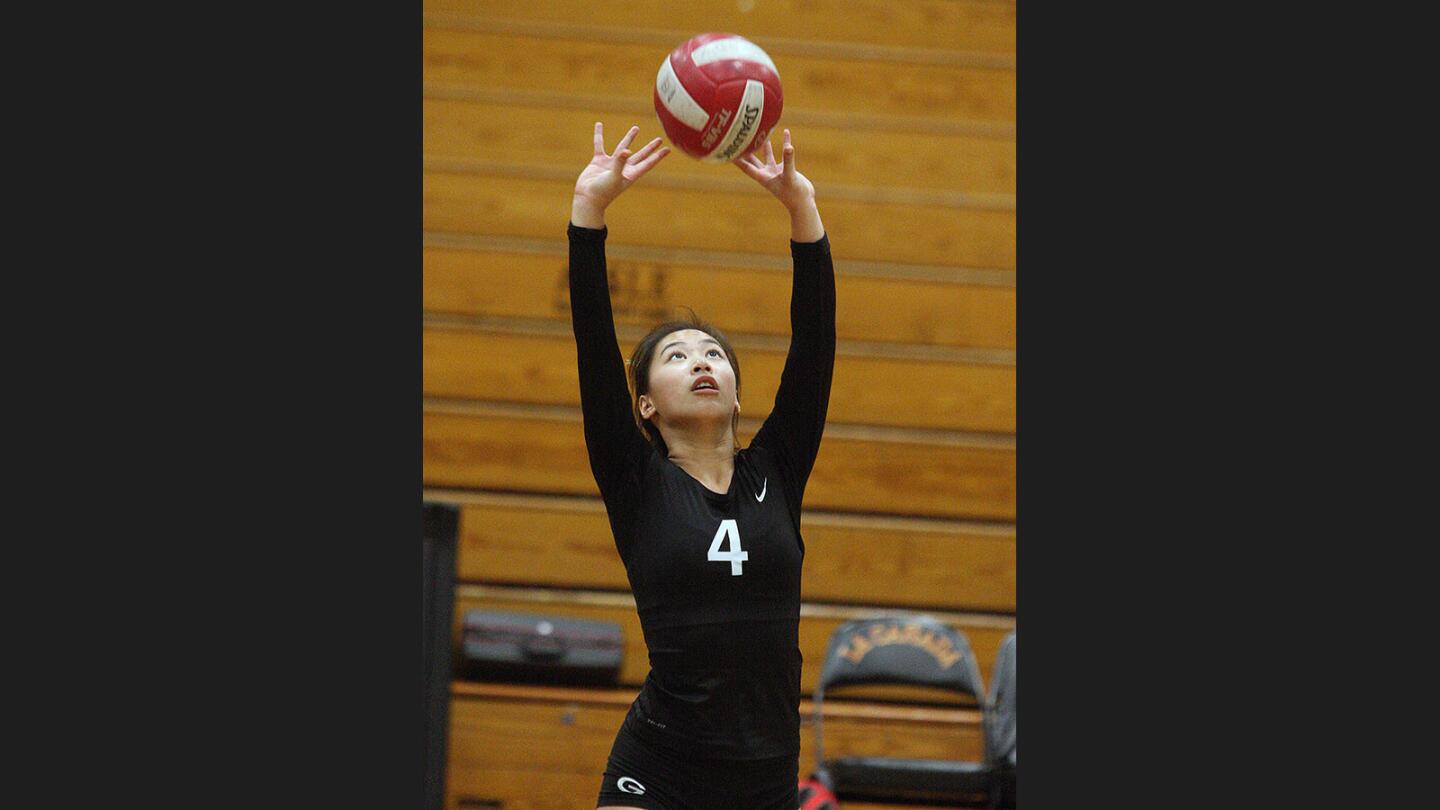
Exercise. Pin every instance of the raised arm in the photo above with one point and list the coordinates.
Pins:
(797, 421)
(613, 441)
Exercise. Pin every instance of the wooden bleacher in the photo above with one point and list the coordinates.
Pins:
(817, 622)
(567, 61)
(947, 28)
(850, 559)
(523, 366)
(537, 747)
(706, 219)
(497, 446)
(925, 165)
(923, 310)
(903, 114)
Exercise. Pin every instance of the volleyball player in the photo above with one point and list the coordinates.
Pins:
(709, 532)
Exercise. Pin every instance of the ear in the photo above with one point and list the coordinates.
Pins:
(737, 404)
(647, 407)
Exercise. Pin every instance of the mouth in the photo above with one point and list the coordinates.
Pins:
(705, 383)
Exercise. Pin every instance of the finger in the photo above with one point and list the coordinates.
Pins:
(646, 150)
(749, 168)
(621, 156)
(769, 153)
(789, 154)
(599, 138)
(629, 136)
(647, 164)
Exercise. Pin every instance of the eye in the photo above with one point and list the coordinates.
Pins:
(715, 353)
(676, 354)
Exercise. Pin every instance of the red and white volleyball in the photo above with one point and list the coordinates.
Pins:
(717, 96)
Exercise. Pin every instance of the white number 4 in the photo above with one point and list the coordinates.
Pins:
(735, 555)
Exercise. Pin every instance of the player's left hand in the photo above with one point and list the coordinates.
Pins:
(782, 179)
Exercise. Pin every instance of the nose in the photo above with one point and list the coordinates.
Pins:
(702, 364)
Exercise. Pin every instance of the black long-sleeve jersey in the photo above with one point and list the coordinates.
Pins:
(716, 578)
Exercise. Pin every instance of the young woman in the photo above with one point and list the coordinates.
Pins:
(709, 533)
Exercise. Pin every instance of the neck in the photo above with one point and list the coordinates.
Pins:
(708, 457)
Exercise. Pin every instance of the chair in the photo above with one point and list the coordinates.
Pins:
(917, 650)
(1002, 724)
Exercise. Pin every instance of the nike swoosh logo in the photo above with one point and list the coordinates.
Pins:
(761, 496)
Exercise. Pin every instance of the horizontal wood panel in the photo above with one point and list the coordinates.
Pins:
(984, 634)
(965, 25)
(541, 369)
(545, 454)
(551, 137)
(566, 543)
(738, 299)
(753, 222)
(539, 753)
(582, 67)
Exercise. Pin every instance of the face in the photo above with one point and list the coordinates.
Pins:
(691, 381)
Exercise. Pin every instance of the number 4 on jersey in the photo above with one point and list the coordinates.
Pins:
(735, 555)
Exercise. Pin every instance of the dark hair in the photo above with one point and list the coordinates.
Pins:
(640, 371)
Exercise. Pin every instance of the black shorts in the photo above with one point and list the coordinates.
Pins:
(641, 774)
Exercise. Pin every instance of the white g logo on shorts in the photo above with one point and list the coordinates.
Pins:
(630, 785)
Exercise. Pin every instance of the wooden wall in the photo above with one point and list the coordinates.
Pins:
(903, 115)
